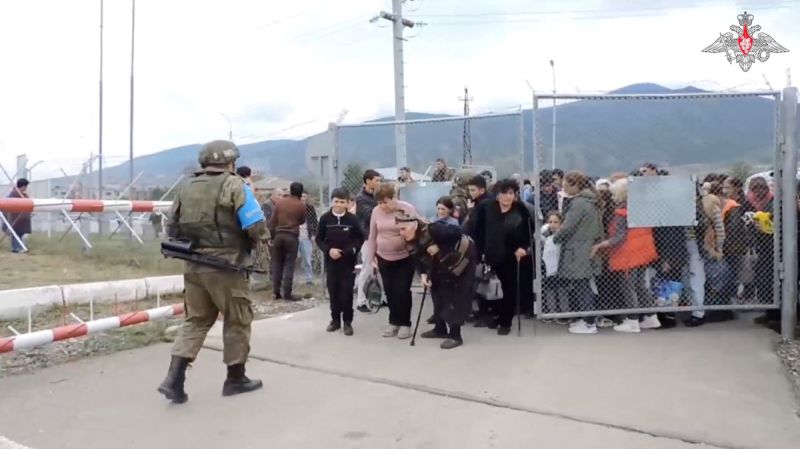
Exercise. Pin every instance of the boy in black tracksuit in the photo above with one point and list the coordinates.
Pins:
(340, 237)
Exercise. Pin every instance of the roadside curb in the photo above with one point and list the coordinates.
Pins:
(15, 303)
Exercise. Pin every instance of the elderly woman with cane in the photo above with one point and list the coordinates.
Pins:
(445, 258)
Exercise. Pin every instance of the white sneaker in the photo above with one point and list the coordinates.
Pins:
(650, 322)
(404, 332)
(391, 331)
(603, 322)
(628, 325)
(582, 327)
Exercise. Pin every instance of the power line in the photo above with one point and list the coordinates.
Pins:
(588, 14)
(605, 11)
(339, 27)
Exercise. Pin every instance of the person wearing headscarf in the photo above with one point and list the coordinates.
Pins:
(445, 258)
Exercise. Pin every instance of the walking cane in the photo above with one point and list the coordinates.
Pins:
(419, 315)
(519, 303)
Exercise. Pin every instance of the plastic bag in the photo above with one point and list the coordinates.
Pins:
(667, 293)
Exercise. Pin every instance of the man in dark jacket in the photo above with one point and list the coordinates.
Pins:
(340, 237)
(365, 202)
(548, 201)
(20, 222)
(476, 187)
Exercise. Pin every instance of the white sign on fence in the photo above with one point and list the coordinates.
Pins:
(659, 201)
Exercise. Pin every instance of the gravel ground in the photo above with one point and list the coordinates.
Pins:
(789, 352)
(128, 337)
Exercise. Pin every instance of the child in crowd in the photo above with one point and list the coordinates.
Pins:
(340, 237)
(555, 292)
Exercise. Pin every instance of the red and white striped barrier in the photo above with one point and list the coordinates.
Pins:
(17, 205)
(40, 338)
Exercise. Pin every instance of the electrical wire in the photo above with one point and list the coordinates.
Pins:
(336, 28)
(764, 6)
(587, 14)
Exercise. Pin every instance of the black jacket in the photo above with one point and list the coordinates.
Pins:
(365, 202)
(498, 235)
(469, 225)
(344, 233)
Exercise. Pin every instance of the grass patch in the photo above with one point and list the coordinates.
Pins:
(52, 262)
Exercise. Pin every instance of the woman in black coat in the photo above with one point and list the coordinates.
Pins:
(445, 259)
(502, 235)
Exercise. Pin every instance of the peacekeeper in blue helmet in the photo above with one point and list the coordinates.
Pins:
(218, 213)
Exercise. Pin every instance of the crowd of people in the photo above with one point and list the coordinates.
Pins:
(479, 265)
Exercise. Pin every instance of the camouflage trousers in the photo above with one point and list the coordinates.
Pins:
(207, 295)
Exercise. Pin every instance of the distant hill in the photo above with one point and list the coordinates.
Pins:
(598, 137)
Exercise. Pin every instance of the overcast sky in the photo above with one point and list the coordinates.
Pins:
(284, 69)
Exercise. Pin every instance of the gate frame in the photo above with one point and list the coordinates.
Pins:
(336, 179)
(778, 167)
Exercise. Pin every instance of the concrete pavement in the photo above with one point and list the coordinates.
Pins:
(716, 386)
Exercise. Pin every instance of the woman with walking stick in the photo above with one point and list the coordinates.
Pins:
(502, 236)
(444, 251)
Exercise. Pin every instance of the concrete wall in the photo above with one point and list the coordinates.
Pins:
(14, 304)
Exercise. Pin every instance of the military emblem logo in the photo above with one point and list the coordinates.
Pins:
(744, 48)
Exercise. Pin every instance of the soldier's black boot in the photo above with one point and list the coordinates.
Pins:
(172, 386)
(237, 382)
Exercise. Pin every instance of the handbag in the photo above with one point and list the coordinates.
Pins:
(491, 290)
(718, 274)
(747, 272)
(489, 287)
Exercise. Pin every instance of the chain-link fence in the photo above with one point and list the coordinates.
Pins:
(650, 217)
(436, 148)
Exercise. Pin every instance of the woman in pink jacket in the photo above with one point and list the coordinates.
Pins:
(393, 260)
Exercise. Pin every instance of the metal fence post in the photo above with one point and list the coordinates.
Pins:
(537, 205)
(335, 178)
(789, 204)
(521, 142)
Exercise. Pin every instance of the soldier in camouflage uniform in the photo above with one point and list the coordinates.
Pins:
(459, 194)
(205, 212)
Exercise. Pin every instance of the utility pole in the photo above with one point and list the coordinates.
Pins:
(130, 143)
(466, 156)
(553, 67)
(396, 17)
(100, 139)
(230, 126)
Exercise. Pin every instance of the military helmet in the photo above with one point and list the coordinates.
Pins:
(218, 152)
(462, 177)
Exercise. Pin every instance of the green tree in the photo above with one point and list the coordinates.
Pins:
(741, 170)
(352, 179)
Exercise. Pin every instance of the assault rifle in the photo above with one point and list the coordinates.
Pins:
(182, 249)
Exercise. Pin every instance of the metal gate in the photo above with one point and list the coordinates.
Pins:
(628, 295)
